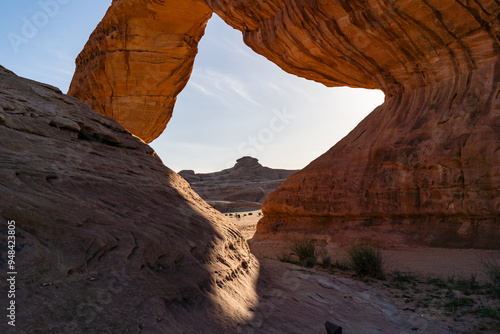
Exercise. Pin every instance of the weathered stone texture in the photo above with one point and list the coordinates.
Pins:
(108, 239)
(138, 59)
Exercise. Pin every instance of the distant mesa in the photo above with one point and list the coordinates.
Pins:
(242, 187)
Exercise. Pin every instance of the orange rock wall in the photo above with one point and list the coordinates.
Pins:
(141, 55)
(392, 45)
(138, 60)
(422, 169)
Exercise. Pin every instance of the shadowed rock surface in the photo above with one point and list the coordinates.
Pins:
(109, 240)
(242, 187)
(424, 168)
(299, 300)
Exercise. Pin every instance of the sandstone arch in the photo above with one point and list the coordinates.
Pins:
(423, 168)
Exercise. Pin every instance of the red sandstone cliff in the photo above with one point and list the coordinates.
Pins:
(241, 187)
(422, 169)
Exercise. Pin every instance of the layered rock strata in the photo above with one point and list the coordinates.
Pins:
(108, 239)
(138, 59)
(431, 177)
(423, 168)
(395, 46)
(242, 187)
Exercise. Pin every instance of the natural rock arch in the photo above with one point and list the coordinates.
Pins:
(422, 168)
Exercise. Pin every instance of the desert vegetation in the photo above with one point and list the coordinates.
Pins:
(457, 298)
(363, 259)
(366, 261)
(461, 299)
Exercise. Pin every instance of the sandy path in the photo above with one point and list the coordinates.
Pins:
(247, 223)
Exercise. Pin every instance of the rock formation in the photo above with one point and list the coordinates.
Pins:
(431, 177)
(108, 239)
(242, 187)
(138, 59)
(424, 167)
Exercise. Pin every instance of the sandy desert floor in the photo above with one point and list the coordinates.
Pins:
(426, 290)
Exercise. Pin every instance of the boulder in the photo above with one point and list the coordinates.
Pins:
(108, 239)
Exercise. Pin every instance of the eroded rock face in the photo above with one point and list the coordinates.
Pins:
(430, 177)
(138, 59)
(108, 238)
(393, 45)
(241, 187)
(423, 168)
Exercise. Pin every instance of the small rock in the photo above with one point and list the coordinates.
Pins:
(62, 122)
(331, 328)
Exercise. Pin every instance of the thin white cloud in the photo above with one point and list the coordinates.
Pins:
(220, 85)
(201, 88)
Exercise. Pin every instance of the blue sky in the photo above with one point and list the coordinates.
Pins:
(236, 103)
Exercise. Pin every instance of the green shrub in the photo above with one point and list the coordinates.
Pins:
(286, 257)
(492, 271)
(454, 303)
(341, 265)
(305, 249)
(438, 282)
(250, 214)
(326, 261)
(467, 286)
(366, 261)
